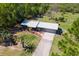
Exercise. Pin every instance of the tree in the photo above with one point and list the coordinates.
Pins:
(73, 8)
(75, 29)
(16, 12)
(68, 46)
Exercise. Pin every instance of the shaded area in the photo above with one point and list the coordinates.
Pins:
(9, 41)
(59, 31)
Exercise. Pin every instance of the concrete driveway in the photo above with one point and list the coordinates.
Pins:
(44, 45)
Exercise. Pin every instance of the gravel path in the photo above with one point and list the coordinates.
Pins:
(45, 44)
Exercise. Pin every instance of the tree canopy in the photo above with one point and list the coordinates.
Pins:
(75, 29)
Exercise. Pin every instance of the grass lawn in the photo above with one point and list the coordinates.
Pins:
(65, 26)
(10, 52)
(30, 40)
(45, 19)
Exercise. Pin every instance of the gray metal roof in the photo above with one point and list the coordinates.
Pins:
(48, 25)
(34, 24)
(30, 23)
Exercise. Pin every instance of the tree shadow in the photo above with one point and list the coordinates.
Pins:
(9, 41)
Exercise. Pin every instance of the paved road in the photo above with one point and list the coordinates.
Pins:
(45, 44)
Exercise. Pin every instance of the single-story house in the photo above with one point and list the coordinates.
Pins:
(41, 25)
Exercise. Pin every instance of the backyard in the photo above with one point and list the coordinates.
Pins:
(29, 39)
